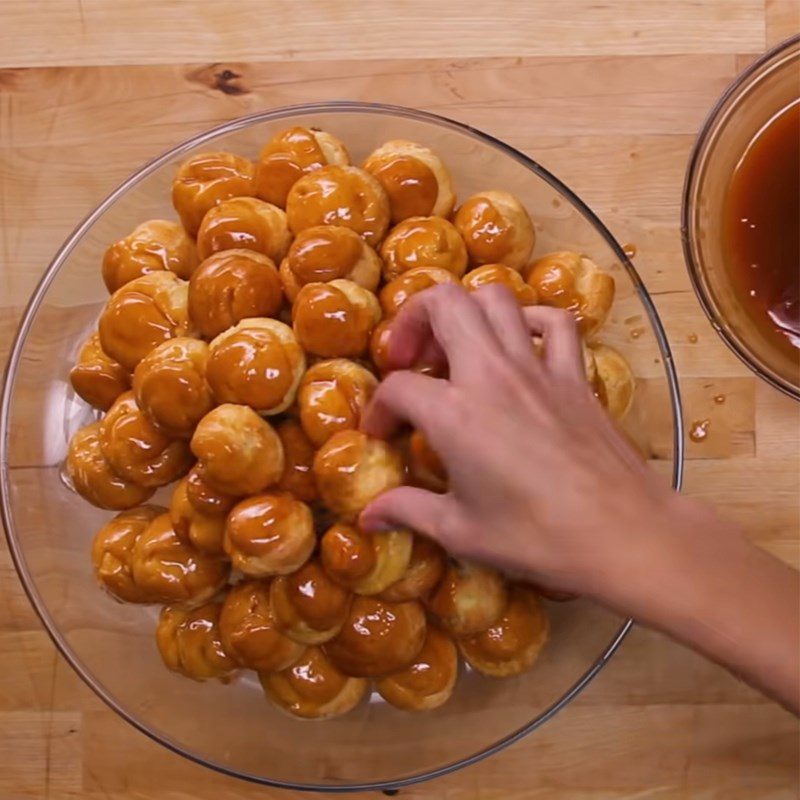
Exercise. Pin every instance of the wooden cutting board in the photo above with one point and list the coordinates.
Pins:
(609, 96)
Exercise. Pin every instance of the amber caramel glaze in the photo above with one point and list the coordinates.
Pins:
(500, 274)
(204, 497)
(379, 347)
(398, 291)
(203, 531)
(423, 242)
(347, 553)
(410, 184)
(298, 451)
(425, 468)
(424, 572)
(96, 377)
(613, 382)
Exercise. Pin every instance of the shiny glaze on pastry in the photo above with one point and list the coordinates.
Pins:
(202, 531)
(231, 286)
(398, 291)
(613, 382)
(425, 468)
(423, 242)
(153, 246)
(298, 451)
(425, 570)
(204, 497)
(379, 347)
(97, 378)
(490, 274)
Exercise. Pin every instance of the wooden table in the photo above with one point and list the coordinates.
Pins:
(609, 96)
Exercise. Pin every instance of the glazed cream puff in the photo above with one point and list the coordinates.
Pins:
(332, 396)
(335, 319)
(238, 450)
(269, 534)
(298, 475)
(364, 562)
(326, 253)
(469, 599)
(231, 286)
(137, 450)
(379, 347)
(351, 469)
(613, 382)
(429, 680)
(378, 637)
(425, 468)
(204, 497)
(416, 180)
(189, 643)
(170, 387)
(291, 154)
(258, 362)
(249, 635)
(202, 531)
(344, 196)
(398, 291)
(153, 246)
(503, 275)
(244, 223)
(171, 571)
(313, 688)
(97, 378)
(308, 606)
(143, 313)
(571, 281)
(513, 643)
(425, 570)
(497, 229)
(207, 179)
(93, 478)
(423, 242)
(112, 553)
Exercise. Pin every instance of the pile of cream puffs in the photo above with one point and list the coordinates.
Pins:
(233, 359)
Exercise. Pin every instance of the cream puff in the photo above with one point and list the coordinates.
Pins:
(206, 179)
(97, 378)
(345, 196)
(239, 452)
(204, 497)
(351, 469)
(400, 290)
(332, 396)
(425, 468)
(335, 319)
(423, 242)
(326, 253)
(258, 362)
(425, 570)
(298, 475)
(153, 246)
(500, 274)
(416, 180)
(379, 347)
(496, 229)
(203, 531)
(513, 643)
(289, 155)
(269, 534)
(613, 382)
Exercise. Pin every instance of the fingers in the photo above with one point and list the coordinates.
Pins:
(503, 313)
(409, 507)
(563, 352)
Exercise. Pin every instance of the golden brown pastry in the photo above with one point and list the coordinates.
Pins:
(269, 534)
(469, 598)
(326, 253)
(351, 469)
(93, 478)
(423, 574)
(231, 286)
(398, 291)
(497, 229)
(244, 223)
(505, 276)
(207, 179)
(379, 347)
(112, 552)
(345, 196)
(142, 314)
(202, 531)
(313, 688)
(258, 362)
(137, 450)
(153, 246)
(239, 452)
(170, 386)
(204, 497)
(308, 606)
(513, 643)
(249, 635)
(423, 242)
(298, 451)
(365, 563)
(613, 382)
(415, 179)
(378, 637)
(425, 468)
(429, 680)
(571, 281)
(171, 571)
(335, 319)
(332, 397)
(291, 154)
(189, 643)
(96, 378)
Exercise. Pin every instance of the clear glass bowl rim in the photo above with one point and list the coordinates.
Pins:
(61, 256)
(722, 108)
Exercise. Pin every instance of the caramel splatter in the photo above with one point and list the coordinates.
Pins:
(699, 430)
(719, 399)
(692, 337)
(629, 250)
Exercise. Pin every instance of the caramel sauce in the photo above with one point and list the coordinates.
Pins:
(297, 477)
(204, 497)
(322, 254)
(400, 290)
(553, 277)
(516, 630)
(96, 378)
(488, 235)
(318, 600)
(719, 399)
(698, 431)
(379, 346)
(411, 185)
(348, 553)
(424, 572)
(266, 523)
(284, 160)
(243, 223)
(314, 680)
(433, 669)
(505, 276)
(137, 324)
(424, 242)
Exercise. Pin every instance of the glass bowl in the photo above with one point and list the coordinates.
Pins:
(111, 646)
(766, 87)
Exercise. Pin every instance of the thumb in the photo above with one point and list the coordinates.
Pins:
(409, 507)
